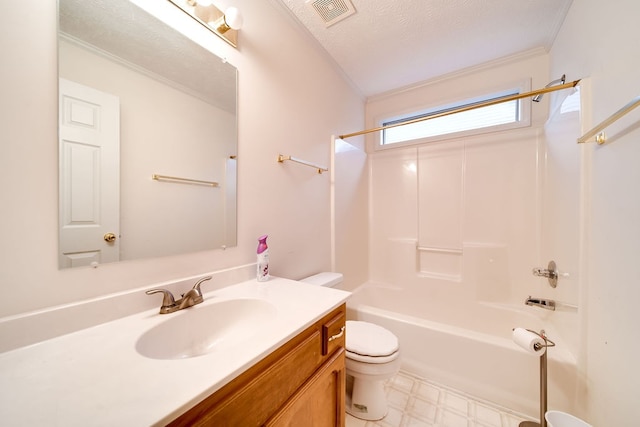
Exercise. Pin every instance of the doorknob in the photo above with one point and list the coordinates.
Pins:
(109, 237)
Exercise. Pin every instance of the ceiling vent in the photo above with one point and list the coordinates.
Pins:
(332, 11)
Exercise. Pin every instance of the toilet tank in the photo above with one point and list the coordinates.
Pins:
(324, 279)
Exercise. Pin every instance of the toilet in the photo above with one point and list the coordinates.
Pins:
(372, 357)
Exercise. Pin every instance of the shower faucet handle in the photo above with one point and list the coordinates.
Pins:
(550, 273)
(543, 272)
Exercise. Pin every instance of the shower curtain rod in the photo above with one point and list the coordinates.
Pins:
(467, 108)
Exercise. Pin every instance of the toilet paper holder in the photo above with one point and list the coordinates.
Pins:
(547, 341)
(543, 379)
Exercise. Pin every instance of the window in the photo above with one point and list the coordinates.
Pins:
(491, 117)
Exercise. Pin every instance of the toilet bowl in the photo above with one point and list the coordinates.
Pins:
(372, 357)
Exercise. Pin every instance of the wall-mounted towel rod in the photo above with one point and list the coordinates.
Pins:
(597, 131)
(184, 180)
(467, 108)
(282, 158)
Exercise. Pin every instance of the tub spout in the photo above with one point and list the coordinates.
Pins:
(541, 302)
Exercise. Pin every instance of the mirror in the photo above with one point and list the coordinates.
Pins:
(139, 99)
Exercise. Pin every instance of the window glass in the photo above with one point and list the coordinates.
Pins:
(479, 118)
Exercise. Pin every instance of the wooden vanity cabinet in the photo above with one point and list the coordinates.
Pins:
(302, 383)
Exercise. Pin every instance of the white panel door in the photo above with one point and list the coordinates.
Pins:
(89, 144)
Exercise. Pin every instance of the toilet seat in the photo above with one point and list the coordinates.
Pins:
(373, 360)
(369, 343)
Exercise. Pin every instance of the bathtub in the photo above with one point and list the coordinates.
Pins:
(467, 346)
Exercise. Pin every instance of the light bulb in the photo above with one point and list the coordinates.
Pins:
(233, 18)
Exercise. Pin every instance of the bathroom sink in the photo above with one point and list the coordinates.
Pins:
(203, 329)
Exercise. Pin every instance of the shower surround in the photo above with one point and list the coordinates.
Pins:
(455, 230)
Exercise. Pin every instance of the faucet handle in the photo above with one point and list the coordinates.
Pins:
(167, 299)
(196, 287)
(551, 273)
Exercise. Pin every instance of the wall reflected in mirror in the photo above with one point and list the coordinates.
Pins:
(138, 98)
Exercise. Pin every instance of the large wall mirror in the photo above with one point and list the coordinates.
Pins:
(147, 138)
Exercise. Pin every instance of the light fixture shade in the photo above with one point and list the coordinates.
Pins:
(233, 18)
(224, 25)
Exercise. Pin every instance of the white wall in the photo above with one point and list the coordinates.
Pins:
(291, 100)
(351, 211)
(599, 40)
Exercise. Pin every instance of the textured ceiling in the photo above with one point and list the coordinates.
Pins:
(125, 31)
(388, 44)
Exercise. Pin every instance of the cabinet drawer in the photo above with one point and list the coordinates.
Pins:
(334, 333)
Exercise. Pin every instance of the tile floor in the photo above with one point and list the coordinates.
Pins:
(414, 402)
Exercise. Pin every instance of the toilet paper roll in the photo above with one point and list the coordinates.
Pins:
(528, 340)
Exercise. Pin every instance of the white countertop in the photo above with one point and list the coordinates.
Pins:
(95, 377)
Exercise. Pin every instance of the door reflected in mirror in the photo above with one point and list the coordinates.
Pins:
(139, 99)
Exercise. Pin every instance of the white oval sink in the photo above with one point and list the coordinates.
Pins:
(203, 329)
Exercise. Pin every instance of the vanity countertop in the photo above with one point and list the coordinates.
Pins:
(96, 376)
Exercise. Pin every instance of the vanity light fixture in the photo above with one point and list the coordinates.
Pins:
(231, 20)
(224, 25)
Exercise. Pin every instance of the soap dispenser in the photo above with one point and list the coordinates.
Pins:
(263, 259)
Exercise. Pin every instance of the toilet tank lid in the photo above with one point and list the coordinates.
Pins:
(324, 279)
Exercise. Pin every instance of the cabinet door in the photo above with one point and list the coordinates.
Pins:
(320, 401)
(263, 389)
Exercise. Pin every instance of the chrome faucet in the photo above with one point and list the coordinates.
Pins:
(191, 298)
(541, 302)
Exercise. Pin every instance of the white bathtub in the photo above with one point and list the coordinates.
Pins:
(468, 346)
